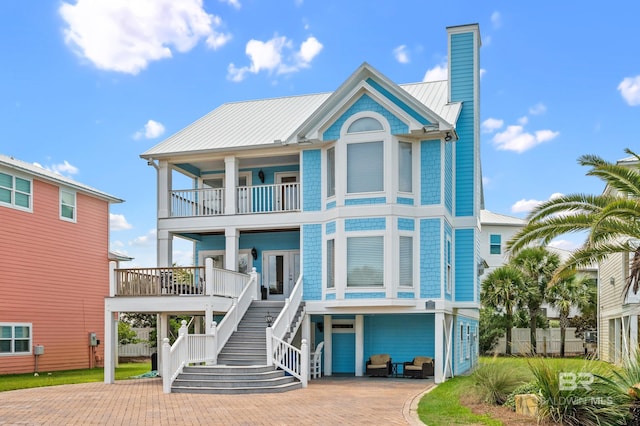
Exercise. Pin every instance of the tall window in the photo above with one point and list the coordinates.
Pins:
(331, 172)
(461, 342)
(331, 264)
(495, 244)
(406, 261)
(15, 338)
(447, 260)
(405, 171)
(15, 191)
(67, 205)
(365, 262)
(365, 167)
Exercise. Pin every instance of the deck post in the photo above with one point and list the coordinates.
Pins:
(304, 363)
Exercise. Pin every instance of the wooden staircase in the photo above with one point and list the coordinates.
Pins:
(242, 363)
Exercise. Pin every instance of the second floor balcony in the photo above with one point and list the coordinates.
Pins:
(274, 198)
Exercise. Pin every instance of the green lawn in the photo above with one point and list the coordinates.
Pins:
(24, 381)
(442, 405)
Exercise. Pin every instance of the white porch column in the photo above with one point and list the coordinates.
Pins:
(232, 238)
(439, 351)
(633, 335)
(165, 248)
(162, 331)
(328, 345)
(359, 345)
(306, 332)
(230, 183)
(109, 353)
(164, 188)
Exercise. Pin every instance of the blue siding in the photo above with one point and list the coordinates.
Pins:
(413, 113)
(461, 80)
(404, 200)
(331, 205)
(312, 261)
(330, 228)
(381, 336)
(464, 349)
(464, 264)
(405, 224)
(365, 201)
(368, 224)
(365, 103)
(448, 232)
(448, 176)
(331, 296)
(311, 175)
(406, 295)
(365, 295)
(344, 353)
(430, 172)
(430, 246)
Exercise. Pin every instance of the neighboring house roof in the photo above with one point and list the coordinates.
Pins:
(43, 174)
(490, 218)
(113, 255)
(249, 124)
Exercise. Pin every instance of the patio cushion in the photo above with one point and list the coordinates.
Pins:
(419, 360)
(379, 361)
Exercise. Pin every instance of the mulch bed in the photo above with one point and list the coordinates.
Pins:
(501, 413)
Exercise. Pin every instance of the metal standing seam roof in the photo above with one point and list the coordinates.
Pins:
(262, 122)
(490, 218)
(47, 175)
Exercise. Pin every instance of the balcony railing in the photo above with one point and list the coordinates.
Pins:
(191, 280)
(276, 198)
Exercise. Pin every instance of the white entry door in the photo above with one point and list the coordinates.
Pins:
(281, 271)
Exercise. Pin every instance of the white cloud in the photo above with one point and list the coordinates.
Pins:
(482, 72)
(437, 73)
(144, 240)
(538, 109)
(490, 125)
(523, 120)
(486, 181)
(151, 130)
(514, 138)
(496, 19)
(565, 245)
(269, 56)
(630, 90)
(64, 169)
(233, 3)
(124, 36)
(525, 206)
(117, 222)
(401, 54)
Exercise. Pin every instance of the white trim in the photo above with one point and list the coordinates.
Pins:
(13, 338)
(12, 204)
(73, 219)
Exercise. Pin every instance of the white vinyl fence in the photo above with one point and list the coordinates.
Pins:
(547, 342)
(141, 349)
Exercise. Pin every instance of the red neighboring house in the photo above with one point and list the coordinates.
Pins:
(54, 276)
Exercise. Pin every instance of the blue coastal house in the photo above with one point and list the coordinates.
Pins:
(348, 218)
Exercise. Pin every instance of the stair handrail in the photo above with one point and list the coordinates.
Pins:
(174, 357)
(288, 313)
(290, 359)
(232, 318)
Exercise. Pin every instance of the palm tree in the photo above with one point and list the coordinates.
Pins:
(537, 265)
(612, 219)
(502, 290)
(573, 290)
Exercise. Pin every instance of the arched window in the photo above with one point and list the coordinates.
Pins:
(365, 124)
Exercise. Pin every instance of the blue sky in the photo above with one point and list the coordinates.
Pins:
(86, 86)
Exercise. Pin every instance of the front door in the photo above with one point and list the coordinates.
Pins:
(281, 271)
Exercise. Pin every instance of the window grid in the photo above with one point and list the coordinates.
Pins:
(15, 191)
(67, 205)
(495, 244)
(15, 339)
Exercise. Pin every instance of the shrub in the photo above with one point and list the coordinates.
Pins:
(578, 401)
(495, 381)
(525, 388)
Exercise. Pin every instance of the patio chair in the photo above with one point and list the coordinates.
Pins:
(315, 362)
(421, 367)
(379, 365)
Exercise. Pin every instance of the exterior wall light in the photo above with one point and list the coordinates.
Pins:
(254, 253)
(261, 176)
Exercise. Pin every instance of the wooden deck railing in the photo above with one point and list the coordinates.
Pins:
(160, 281)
